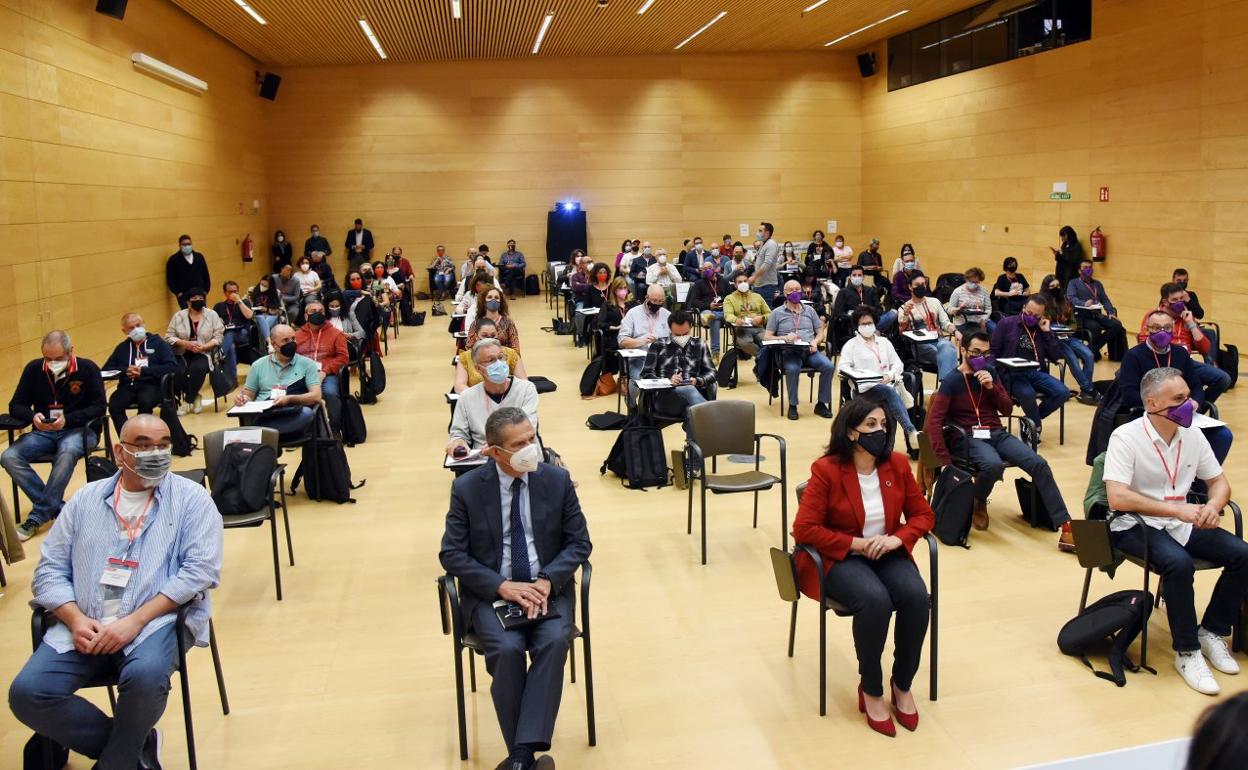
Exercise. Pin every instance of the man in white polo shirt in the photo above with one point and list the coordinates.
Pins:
(1149, 468)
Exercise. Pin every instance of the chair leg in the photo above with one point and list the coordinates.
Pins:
(689, 511)
(277, 567)
(216, 664)
(1144, 632)
(792, 627)
(186, 708)
(756, 509)
(784, 513)
(703, 485)
(823, 661)
(1087, 584)
(934, 649)
(572, 660)
(290, 548)
(472, 669)
(590, 713)
(17, 500)
(4, 582)
(459, 699)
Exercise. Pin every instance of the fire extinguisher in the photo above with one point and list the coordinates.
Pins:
(1098, 244)
(249, 248)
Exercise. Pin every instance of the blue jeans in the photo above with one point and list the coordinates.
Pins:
(1025, 386)
(443, 282)
(714, 320)
(329, 384)
(942, 353)
(894, 405)
(1214, 380)
(290, 425)
(1174, 563)
(229, 352)
(67, 446)
(691, 396)
(1219, 439)
(768, 293)
(793, 364)
(887, 320)
(267, 322)
(43, 698)
(1080, 361)
(635, 365)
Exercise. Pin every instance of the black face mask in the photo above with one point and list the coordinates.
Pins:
(920, 291)
(334, 311)
(316, 318)
(1056, 291)
(653, 308)
(197, 304)
(288, 350)
(875, 444)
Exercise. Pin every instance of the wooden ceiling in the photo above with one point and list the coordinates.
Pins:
(319, 32)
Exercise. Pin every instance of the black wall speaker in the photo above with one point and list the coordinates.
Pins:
(866, 64)
(268, 86)
(114, 8)
(565, 231)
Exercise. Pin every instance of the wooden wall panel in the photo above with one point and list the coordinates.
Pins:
(1165, 130)
(661, 148)
(102, 167)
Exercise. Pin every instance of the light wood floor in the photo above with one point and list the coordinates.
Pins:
(351, 669)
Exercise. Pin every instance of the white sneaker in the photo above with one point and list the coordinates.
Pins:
(1191, 666)
(1214, 648)
(198, 407)
(912, 439)
(184, 409)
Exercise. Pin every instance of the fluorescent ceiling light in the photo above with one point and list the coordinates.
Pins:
(646, 6)
(813, 6)
(250, 11)
(456, 11)
(158, 67)
(704, 28)
(972, 31)
(372, 38)
(869, 26)
(541, 33)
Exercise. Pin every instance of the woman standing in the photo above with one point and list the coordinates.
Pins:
(1067, 255)
(280, 250)
(852, 513)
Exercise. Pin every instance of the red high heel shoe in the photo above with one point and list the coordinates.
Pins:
(908, 721)
(884, 726)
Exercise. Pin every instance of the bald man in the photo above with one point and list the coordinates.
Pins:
(127, 552)
(642, 325)
(803, 332)
(141, 359)
(291, 381)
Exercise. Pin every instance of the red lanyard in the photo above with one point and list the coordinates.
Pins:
(132, 530)
(1031, 336)
(229, 314)
(1169, 355)
(316, 346)
(1091, 288)
(1173, 478)
(875, 353)
(135, 347)
(971, 396)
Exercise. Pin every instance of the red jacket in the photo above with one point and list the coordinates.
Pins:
(1182, 335)
(832, 514)
(328, 347)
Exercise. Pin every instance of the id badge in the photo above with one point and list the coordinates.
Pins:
(1175, 499)
(140, 361)
(276, 392)
(55, 412)
(981, 432)
(117, 572)
(320, 366)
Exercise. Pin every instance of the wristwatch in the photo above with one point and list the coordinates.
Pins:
(544, 576)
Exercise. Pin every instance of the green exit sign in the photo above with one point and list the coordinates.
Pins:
(1059, 196)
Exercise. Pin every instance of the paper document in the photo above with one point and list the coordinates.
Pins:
(921, 336)
(860, 374)
(654, 383)
(1018, 363)
(786, 342)
(1202, 421)
(242, 436)
(251, 407)
(474, 457)
(110, 373)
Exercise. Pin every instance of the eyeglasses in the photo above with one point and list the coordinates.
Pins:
(1152, 328)
(145, 446)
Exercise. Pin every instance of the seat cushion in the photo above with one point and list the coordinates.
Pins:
(1199, 564)
(254, 519)
(473, 642)
(747, 481)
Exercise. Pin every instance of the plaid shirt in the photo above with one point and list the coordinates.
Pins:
(693, 361)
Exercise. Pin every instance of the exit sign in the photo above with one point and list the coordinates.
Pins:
(1059, 196)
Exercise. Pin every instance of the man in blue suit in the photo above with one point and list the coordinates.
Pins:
(515, 532)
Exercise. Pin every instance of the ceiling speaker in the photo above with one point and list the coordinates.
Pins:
(866, 64)
(114, 8)
(268, 86)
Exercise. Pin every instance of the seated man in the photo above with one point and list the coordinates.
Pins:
(855, 295)
(970, 304)
(467, 374)
(1029, 337)
(684, 360)
(511, 269)
(1084, 293)
(528, 559)
(1192, 302)
(973, 398)
(116, 616)
(924, 313)
(291, 381)
(642, 325)
(59, 394)
(236, 315)
(1188, 334)
(323, 344)
(706, 297)
(793, 322)
(498, 388)
(664, 273)
(143, 359)
(1149, 469)
(746, 311)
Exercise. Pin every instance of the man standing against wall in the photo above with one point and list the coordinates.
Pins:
(359, 246)
(764, 278)
(185, 268)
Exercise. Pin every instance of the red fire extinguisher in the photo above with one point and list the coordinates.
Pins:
(249, 248)
(1099, 245)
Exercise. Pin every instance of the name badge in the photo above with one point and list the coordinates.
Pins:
(981, 432)
(55, 412)
(117, 573)
(140, 361)
(1175, 499)
(276, 392)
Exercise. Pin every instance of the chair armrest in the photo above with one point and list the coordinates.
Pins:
(694, 456)
(40, 621)
(1239, 518)
(1139, 522)
(963, 435)
(9, 422)
(1023, 422)
(779, 441)
(933, 568)
(448, 605)
(587, 572)
(813, 553)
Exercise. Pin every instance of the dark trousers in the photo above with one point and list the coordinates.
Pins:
(192, 370)
(526, 700)
(989, 457)
(512, 279)
(144, 395)
(1174, 563)
(1025, 386)
(1101, 327)
(873, 591)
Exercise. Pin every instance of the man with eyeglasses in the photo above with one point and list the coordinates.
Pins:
(128, 552)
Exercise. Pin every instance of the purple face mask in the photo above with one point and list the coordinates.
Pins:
(1182, 414)
(708, 272)
(1177, 308)
(1086, 272)
(1161, 339)
(794, 297)
(1030, 320)
(978, 363)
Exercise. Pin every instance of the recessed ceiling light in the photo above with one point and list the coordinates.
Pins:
(372, 38)
(864, 29)
(250, 11)
(813, 6)
(646, 6)
(456, 11)
(541, 33)
(704, 28)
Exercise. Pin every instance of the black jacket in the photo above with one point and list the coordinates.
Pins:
(80, 393)
(368, 244)
(1193, 304)
(319, 243)
(160, 361)
(1140, 360)
(281, 255)
(180, 276)
(847, 299)
(700, 294)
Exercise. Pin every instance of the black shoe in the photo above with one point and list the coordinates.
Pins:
(149, 759)
(1088, 397)
(544, 762)
(823, 410)
(792, 412)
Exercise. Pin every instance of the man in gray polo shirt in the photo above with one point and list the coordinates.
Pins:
(793, 322)
(764, 278)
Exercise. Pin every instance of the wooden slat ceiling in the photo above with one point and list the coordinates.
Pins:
(319, 32)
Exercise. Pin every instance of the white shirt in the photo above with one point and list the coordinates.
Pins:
(359, 237)
(308, 281)
(844, 254)
(639, 322)
(872, 504)
(526, 517)
(663, 274)
(1135, 458)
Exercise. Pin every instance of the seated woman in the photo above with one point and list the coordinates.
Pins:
(342, 320)
(492, 305)
(869, 351)
(289, 290)
(609, 320)
(385, 293)
(851, 512)
(308, 279)
(1079, 357)
(266, 304)
(466, 374)
(1011, 290)
(466, 303)
(194, 333)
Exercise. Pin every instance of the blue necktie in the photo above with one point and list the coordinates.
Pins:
(519, 545)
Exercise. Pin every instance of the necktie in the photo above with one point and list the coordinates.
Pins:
(519, 544)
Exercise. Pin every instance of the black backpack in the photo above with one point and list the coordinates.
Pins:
(183, 443)
(377, 373)
(1039, 516)
(1228, 361)
(606, 421)
(637, 457)
(542, 384)
(331, 477)
(1118, 618)
(100, 468)
(366, 394)
(532, 286)
(241, 483)
(43, 753)
(953, 500)
(354, 429)
(589, 377)
(726, 374)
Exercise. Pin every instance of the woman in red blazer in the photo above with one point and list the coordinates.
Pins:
(851, 512)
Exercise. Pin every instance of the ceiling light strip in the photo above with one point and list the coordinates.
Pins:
(372, 38)
(250, 11)
(457, 11)
(704, 28)
(869, 26)
(541, 33)
(813, 6)
(646, 6)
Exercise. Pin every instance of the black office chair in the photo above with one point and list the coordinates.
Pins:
(167, 394)
(455, 626)
(778, 382)
(42, 620)
(785, 568)
(14, 426)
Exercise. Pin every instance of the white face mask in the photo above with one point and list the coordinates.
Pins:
(526, 459)
(759, 235)
(56, 367)
(662, 259)
(744, 288)
(971, 285)
(281, 238)
(304, 267)
(646, 251)
(714, 252)
(681, 339)
(867, 331)
(697, 247)
(856, 280)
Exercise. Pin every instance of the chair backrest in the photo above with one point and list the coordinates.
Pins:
(214, 447)
(1092, 544)
(786, 576)
(927, 455)
(801, 489)
(723, 427)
